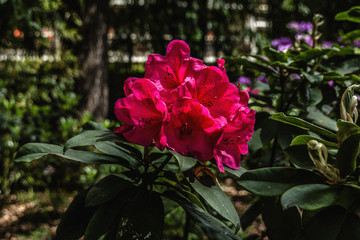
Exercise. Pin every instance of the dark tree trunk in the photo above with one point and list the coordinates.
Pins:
(93, 86)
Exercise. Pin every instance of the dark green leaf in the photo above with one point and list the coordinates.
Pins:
(104, 218)
(347, 155)
(353, 15)
(185, 163)
(106, 189)
(313, 78)
(280, 224)
(111, 148)
(325, 225)
(275, 181)
(299, 156)
(236, 173)
(34, 151)
(251, 64)
(352, 35)
(90, 137)
(309, 96)
(348, 66)
(318, 118)
(310, 196)
(298, 122)
(217, 199)
(75, 219)
(274, 55)
(310, 54)
(304, 139)
(212, 226)
(142, 217)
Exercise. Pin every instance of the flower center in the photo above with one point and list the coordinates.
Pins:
(144, 122)
(230, 141)
(185, 129)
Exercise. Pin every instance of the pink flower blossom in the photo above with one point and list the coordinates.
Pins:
(142, 112)
(188, 107)
(191, 130)
(233, 141)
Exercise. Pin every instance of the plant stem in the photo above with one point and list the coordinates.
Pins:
(186, 228)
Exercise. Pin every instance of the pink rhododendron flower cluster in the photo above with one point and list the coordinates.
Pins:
(188, 107)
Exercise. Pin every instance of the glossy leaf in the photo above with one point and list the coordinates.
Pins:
(347, 155)
(237, 173)
(325, 225)
(185, 163)
(299, 156)
(318, 118)
(313, 78)
(310, 196)
(212, 226)
(309, 96)
(90, 137)
(280, 224)
(353, 15)
(217, 199)
(75, 219)
(106, 189)
(274, 181)
(104, 218)
(348, 66)
(34, 151)
(298, 122)
(111, 148)
(304, 139)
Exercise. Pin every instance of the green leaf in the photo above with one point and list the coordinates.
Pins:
(298, 122)
(34, 151)
(250, 64)
(313, 78)
(111, 148)
(90, 125)
(75, 219)
(352, 35)
(143, 216)
(348, 66)
(318, 118)
(104, 218)
(106, 189)
(212, 226)
(185, 163)
(299, 156)
(352, 15)
(304, 139)
(325, 225)
(274, 181)
(90, 137)
(309, 96)
(237, 173)
(280, 223)
(210, 191)
(310, 196)
(310, 54)
(347, 155)
(274, 55)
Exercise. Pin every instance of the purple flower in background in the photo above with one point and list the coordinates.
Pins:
(327, 44)
(294, 76)
(306, 38)
(244, 80)
(356, 43)
(300, 27)
(263, 79)
(281, 44)
(331, 83)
